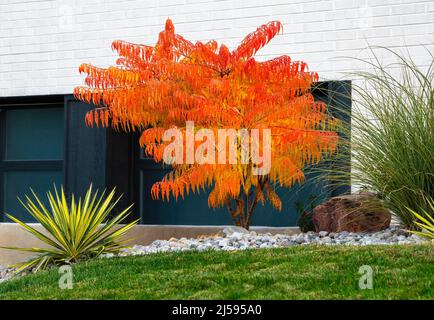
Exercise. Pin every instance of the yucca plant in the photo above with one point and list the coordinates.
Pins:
(424, 220)
(75, 230)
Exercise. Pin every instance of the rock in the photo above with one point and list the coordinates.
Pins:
(8, 273)
(228, 231)
(361, 212)
(323, 233)
(193, 245)
(236, 235)
(385, 235)
(402, 238)
(299, 239)
(343, 234)
(326, 240)
(223, 243)
(401, 232)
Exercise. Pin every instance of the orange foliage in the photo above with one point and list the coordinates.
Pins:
(154, 88)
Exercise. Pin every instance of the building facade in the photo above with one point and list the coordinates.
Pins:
(43, 137)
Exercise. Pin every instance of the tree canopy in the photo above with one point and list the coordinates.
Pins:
(155, 88)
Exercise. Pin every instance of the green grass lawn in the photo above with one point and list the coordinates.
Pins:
(308, 272)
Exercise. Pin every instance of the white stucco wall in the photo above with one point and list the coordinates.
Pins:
(42, 42)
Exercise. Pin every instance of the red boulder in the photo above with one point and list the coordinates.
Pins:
(360, 212)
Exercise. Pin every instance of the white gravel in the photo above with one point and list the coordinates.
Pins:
(240, 239)
(5, 273)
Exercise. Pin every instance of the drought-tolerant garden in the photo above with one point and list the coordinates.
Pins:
(376, 243)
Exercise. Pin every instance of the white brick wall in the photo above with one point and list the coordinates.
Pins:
(42, 42)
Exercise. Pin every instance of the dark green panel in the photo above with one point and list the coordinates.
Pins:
(191, 211)
(34, 134)
(340, 107)
(18, 184)
(85, 151)
(194, 210)
(119, 167)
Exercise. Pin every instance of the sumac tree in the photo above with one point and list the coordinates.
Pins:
(155, 88)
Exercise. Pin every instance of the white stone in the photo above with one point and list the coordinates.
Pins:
(232, 229)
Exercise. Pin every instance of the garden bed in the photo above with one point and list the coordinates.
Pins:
(234, 238)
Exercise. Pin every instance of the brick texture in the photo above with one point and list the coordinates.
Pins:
(42, 42)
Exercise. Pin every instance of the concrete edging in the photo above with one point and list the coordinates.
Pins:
(13, 235)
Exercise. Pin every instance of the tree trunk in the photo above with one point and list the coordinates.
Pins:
(243, 212)
(255, 201)
(233, 213)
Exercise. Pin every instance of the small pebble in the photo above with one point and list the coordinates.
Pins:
(323, 233)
